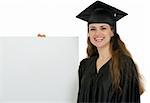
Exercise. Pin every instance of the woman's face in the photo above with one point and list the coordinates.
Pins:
(100, 34)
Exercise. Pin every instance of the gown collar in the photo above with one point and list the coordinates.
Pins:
(102, 68)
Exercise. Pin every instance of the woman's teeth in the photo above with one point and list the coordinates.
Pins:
(99, 39)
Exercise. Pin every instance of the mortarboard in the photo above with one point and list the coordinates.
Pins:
(99, 12)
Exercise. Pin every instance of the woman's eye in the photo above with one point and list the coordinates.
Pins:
(103, 28)
(92, 29)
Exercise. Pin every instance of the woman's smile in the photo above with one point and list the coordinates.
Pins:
(99, 39)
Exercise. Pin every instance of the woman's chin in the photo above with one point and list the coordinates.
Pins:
(102, 45)
(99, 46)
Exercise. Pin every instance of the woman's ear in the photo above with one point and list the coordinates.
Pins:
(112, 34)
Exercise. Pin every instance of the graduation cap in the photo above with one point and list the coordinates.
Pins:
(99, 12)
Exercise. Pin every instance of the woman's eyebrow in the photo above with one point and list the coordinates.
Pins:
(91, 26)
(99, 26)
(103, 26)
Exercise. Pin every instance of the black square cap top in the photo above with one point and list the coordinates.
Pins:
(99, 12)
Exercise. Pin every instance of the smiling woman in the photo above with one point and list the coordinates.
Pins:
(108, 74)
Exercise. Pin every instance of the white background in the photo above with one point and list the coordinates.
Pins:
(57, 18)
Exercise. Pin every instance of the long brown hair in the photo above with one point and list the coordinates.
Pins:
(117, 49)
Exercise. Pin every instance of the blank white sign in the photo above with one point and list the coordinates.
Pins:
(38, 70)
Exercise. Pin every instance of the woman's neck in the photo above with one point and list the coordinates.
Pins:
(104, 52)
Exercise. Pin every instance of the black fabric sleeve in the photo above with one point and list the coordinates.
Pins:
(80, 74)
(81, 70)
(130, 85)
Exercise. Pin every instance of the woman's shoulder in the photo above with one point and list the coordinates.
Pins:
(128, 65)
(84, 63)
(126, 60)
(87, 60)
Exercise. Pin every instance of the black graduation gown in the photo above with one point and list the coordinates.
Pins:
(97, 87)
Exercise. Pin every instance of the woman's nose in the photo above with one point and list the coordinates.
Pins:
(98, 32)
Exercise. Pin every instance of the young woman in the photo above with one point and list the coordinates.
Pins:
(108, 74)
